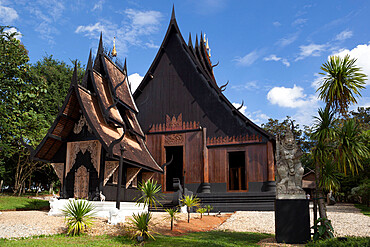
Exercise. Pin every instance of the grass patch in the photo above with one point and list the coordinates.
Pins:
(199, 239)
(335, 242)
(364, 209)
(21, 203)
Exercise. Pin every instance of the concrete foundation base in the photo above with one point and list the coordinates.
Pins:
(102, 209)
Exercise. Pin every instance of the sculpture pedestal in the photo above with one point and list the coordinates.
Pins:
(292, 221)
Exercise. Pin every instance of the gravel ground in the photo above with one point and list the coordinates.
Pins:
(15, 224)
(346, 220)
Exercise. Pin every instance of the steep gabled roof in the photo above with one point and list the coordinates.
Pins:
(201, 63)
(105, 100)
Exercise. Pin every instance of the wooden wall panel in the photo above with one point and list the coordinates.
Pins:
(217, 160)
(155, 146)
(257, 163)
(193, 157)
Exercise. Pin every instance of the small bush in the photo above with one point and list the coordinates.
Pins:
(140, 225)
(78, 216)
(201, 211)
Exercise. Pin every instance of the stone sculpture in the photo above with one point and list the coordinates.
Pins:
(289, 168)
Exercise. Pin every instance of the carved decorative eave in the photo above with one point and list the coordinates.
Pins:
(230, 140)
(174, 124)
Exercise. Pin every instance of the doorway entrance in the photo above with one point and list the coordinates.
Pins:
(175, 169)
(237, 171)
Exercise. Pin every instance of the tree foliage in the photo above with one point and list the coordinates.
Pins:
(342, 83)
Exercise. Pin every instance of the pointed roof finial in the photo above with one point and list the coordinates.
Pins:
(74, 76)
(190, 42)
(114, 52)
(125, 67)
(173, 17)
(207, 46)
(204, 39)
(196, 40)
(89, 62)
(100, 48)
(201, 38)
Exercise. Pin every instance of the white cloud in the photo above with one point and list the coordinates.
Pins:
(287, 40)
(287, 97)
(344, 35)
(299, 22)
(99, 5)
(362, 54)
(7, 15)
(139, 24)
(276, 24)
(310, 50)
(248, 59)
(48, 14)
(14, 30)
(273, 57)
(135, 80)
(317, 81)
(242, 109)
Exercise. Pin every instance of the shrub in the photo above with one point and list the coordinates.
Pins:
(190, 201)
(78, 215)
(172, 213)
(140, 224)
(201, 211)
(209, 208)
(324, 229)
(150, 191)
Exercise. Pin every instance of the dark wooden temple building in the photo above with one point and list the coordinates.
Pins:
(96, 113)
(218, 153)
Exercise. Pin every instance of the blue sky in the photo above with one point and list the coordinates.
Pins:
(270, 51)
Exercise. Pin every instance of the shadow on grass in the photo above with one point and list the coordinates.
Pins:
(15, 203)
(212, 238)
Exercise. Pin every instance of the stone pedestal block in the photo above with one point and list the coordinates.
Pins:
(292, 221)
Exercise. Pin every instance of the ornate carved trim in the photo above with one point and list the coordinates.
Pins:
(110, 168)
(174, 139)
(81, 186)
(73, 148)
(233, 140)
(59, 169)
(131, 175)
(81, 123)
(173, 124)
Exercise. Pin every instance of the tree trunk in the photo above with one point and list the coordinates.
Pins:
(319, 192)
(1, 186)
(171, 224)
(51, 189)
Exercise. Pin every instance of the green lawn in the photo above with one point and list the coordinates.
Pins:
(364, 209)
(21, 203)
(199, 239)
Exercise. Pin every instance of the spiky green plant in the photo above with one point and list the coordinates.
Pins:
(209, 208)
(78, 215)
(201, 211)
(189, 202)
(342, 83)
(140, 225)
(150, 191)
(172, 214)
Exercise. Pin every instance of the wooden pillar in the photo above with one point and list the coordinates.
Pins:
(206, 186)
(120, 168)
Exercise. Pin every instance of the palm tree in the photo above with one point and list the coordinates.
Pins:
(172, 213)
(342, 83)
(190, 201)
(323, 135)
(352, 148)
(150, 192)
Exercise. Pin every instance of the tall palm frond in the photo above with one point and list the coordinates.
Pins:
(342, 83)
(352, 148)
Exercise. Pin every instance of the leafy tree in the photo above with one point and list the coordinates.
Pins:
(20, 100)
(342, 83)
(337, 142)
(150, 193)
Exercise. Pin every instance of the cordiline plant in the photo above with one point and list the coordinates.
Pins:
(78, 215)
(140, 225)
(172, 214)
(189, 202)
